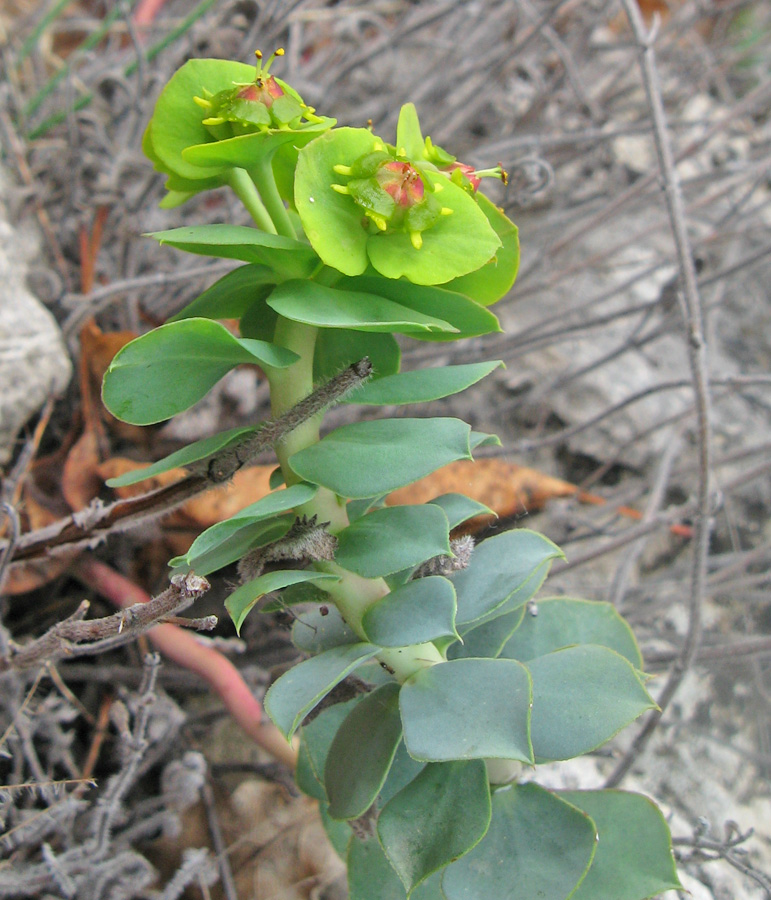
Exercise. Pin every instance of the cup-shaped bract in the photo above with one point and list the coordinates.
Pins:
(215, 115)
(364, 203)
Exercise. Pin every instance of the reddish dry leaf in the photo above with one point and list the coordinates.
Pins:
(80, 479)
(508, 489)
(97, 352)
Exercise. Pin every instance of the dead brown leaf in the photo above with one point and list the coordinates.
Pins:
(508, 489)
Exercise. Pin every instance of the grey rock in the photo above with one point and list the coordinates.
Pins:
(34, 363)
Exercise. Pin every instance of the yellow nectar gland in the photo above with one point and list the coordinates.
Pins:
(381, 223)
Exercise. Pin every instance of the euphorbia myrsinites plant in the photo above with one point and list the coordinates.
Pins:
(425, 767)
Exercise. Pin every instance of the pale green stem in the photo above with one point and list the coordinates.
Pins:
(288, 387)
(243, 187)
(352, 595)
(262, 175)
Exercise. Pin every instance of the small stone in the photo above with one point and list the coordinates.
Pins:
(34, 362)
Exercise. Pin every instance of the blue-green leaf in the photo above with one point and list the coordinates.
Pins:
(487, 640)
(482, 439)
(251, 535)
(634, 853)
(300, 689)
(167, 370)
(468, 709)
(286, 257)
(435, 819)
(231, 296)
(391, 539)
(562, 621)
(370, 875)
(494, 280)
(327, 307)
(362, 752)
(459, 508)
(537, 846)
(314, 632)
(499, 568)
(338, 348)
(582, 696)
(201, 556)
(419, 611)
(371, 458)
(293, 594)
(315, 740)
(421, 385)
(469, 318)
(194, 452)
(243, 599)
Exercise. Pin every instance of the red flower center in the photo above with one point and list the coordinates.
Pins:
(264, 90)
(402, 182)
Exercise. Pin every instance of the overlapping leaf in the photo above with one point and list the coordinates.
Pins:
(582, 696)
(419, 611)
(300, 689)
(362, 752)
(367, 459)
(464, 314)
(226, 541)
(167, 370)
(435, 819)
(286, 257)
(392, 539)
(231, 296)
(562, 621)
(193, 453)
(422, 385)
(468, 709)
(327, 307)
(504, 573)
(545, 844)
(240, 603)
(634, 852)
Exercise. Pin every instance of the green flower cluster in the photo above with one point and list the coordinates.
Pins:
(408, 210)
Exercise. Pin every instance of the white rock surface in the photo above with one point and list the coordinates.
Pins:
(34, 362)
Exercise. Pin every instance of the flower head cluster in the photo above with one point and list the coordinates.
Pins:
(262, 104)
(392, 193)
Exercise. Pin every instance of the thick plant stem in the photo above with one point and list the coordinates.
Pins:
(243, 187)
(288, 387)
(352, 595)
(262, 175)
